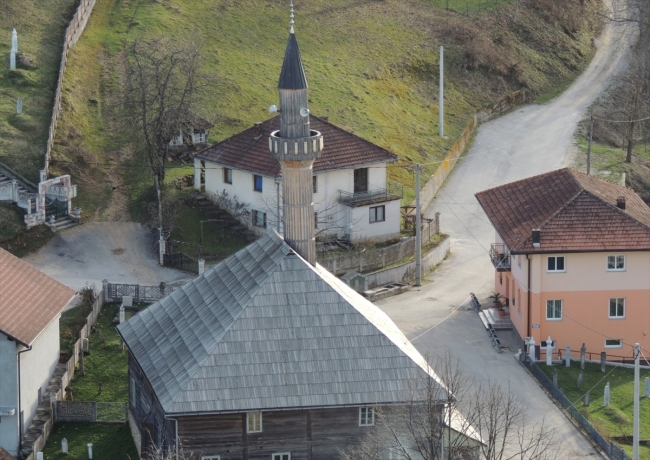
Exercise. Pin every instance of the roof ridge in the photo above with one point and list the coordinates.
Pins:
(525, 179)
(617, 209)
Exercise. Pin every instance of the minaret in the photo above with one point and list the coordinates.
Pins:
(296, 146)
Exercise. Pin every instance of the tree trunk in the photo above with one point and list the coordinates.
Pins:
(159, 195)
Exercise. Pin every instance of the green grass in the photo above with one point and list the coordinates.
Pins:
(107, 364)
(17, 239)
(71, 323)
(615, 420)
(110, 441)
(371, 66)
(40, 25)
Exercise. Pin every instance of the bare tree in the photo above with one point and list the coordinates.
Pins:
(460, 420)
(162, 80)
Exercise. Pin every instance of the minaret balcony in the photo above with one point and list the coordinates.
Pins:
(296, 149)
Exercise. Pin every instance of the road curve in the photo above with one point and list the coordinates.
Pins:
(529, 141)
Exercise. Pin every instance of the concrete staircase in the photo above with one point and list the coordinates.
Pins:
(62, 223)
(491, 316)
(44, 415)
(5, 179)
(229, 221)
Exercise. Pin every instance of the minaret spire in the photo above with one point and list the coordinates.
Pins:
(295, 145)
(291, 22)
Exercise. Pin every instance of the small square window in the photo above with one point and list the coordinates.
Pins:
(210, 457)
(254, 422)
(314, 181)
(613, 343)
(553, 309)
(227, 176)
(282, 456)
(377, 214)
(366, 416)
(257, 183)
(616, 263)
(617, 307)
(259, 219)
(556, 264)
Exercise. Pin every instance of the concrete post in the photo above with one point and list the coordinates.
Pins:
(201, 266)
(583, 350)
(606, 396)
(531, 349)
(64, 446)
(587, 399)
(39, 455)
(567, 358)
(437, 216)
(549, 351)
(646, 392)
(90, 451)
(122, 314)
(603, 361)
(12, 60)
(581, 376)
(105, 289)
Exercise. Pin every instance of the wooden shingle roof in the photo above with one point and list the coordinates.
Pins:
(573, 210)
(266, 330)
(249, 150)
(29, 299)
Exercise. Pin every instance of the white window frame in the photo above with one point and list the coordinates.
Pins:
(248, 422)
(255, 215)
(616, 316)
(555, 309)
(211, 457)
(364, 413)
(555, 270)
(281, 456)
(615, 259)
(620, 343)
(373, 214)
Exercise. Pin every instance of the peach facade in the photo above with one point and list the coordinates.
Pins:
(584, 288)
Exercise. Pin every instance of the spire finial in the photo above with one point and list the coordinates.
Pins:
(291, 16)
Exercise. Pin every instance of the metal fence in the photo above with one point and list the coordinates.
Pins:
(614, 451)
(90, 411)
(114, 292)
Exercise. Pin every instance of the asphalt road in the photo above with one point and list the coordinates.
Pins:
(529, 141)
(121, 252)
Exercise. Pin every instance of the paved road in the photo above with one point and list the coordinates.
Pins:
(529, 141)
(121, 252)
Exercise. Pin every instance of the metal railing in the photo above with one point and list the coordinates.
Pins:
(393, 192)
(500, 257)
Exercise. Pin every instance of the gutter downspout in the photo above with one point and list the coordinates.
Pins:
(175, 433)
(528, 329)
(20, 419)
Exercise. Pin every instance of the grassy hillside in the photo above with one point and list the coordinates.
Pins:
(40, 25)
(372, 68)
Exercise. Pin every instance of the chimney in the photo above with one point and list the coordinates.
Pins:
(257, 131)
(537, 235)
(620, 202)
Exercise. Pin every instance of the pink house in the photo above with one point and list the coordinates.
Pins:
(572, 258)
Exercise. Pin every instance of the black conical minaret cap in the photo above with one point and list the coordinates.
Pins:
(293, 73)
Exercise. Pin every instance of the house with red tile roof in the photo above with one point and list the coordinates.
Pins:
(572, 259)
(31, 303)
(352, 198)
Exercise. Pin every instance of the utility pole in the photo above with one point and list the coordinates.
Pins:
(418, 230)
(591, 133)
(635, 435)
(441, 96)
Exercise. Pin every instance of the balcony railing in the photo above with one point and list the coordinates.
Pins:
(500, 257)
(393, 192)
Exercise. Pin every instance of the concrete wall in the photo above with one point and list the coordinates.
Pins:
(405, 273)
(9, 394)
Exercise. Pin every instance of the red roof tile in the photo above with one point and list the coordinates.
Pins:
(249, 150)
(4, 455)
(29, 299)
(574, 211)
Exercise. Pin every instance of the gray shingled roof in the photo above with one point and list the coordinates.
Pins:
(292, 75)
(265, 330)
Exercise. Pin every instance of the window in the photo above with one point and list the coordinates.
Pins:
(613, 343)
(617, 308)
(282, 456)
(257, 183)
(377, 214)
(227, 176)
(556, 264)
(315, 220)
(314, 182)
(616, 263)
(259, 219)
(254, 422)
(553, 309)
(361, 180)
(210, 457)
(366, 416)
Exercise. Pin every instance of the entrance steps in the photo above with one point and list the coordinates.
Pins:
(491, 316)
(62, 223)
